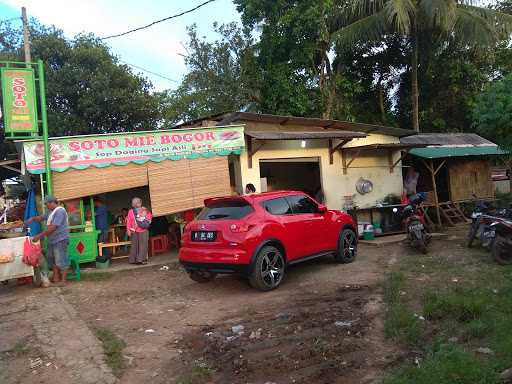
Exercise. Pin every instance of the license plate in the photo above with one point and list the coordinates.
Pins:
(204, 236)
(489, 234)
(416, 227)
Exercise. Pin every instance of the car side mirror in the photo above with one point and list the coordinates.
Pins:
(322, 208)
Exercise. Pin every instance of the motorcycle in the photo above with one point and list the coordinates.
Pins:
(480, 227)
(414, 222)
(484, 220)
(501, 247)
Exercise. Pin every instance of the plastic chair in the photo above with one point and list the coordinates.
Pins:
(158, 244)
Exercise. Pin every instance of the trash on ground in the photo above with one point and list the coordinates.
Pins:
(238, 329)
(485, 351)
(37, 362)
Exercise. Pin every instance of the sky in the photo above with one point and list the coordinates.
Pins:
(157, 48)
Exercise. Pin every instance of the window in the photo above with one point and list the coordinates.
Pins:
(228, 209)
(302, 204)
(277, 206)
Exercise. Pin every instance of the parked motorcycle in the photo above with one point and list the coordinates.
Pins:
(414, 222)
(501, 248)
(480, 228)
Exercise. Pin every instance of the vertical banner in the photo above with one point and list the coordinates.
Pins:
(19, 100)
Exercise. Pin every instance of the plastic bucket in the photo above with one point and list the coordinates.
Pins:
(368, 233)
(103, 265)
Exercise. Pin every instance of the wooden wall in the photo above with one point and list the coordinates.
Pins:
(468, 177)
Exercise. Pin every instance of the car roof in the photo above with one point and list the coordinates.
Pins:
(255, 197)
(271, 195)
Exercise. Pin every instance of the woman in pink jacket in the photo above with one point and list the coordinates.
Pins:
(137, 227)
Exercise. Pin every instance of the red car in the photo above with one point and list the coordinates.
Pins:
(260, 234)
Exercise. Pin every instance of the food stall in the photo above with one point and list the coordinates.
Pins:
(171, 170)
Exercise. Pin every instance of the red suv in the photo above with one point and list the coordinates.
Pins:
(260, 234)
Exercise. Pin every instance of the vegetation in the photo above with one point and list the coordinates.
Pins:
(87, 89)
(438, 65)
(113, 347)
(463, 334)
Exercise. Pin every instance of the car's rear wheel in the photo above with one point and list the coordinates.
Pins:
(268, 271)
(347, 247)
(202, 276)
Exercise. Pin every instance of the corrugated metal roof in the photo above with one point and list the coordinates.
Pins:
(447, 139)
(393, 146)
(232, 117)
(303, 135)
(437, 152)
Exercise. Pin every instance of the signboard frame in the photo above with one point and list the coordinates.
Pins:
(23, 93)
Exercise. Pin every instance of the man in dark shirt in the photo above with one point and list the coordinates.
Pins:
(101, 219)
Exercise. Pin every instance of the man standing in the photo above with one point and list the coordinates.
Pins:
(58, 237)
(101, 219)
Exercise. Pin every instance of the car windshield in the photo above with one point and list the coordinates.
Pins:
(227, 209)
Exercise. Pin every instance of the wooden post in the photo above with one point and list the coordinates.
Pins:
(436, 199)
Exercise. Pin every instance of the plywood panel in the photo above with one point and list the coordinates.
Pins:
(468, 178)
(75, 183)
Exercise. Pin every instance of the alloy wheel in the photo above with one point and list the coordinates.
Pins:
(272, 268)
(349, 245)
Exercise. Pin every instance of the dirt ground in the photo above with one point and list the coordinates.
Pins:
(323, 325)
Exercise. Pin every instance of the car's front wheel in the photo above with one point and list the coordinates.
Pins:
(268, 271)
(201, 276)
(347, 247)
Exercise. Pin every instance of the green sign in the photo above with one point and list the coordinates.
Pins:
(81, 152)
(19, 100)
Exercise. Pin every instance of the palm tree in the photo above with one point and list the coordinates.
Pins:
(463, 20)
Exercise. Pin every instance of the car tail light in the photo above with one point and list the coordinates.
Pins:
(240, 228)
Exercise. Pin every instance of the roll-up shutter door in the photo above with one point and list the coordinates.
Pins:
(75, 183)
(176, 186)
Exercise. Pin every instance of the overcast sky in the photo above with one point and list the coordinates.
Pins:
(157, 48)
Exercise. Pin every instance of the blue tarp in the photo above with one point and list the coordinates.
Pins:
(30, 211)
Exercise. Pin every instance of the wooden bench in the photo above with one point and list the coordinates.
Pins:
(112, 245)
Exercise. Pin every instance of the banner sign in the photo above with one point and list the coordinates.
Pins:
(81, 152)
(19, 100)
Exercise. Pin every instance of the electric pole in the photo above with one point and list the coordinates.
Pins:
(26, 35)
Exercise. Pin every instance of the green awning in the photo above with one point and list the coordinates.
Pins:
(442, 151)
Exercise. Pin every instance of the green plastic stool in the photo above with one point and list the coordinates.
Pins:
(75, 269)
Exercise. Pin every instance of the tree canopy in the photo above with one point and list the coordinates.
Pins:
(87, 89)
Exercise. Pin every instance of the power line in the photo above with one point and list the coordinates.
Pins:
(158, 21)
(148, 71)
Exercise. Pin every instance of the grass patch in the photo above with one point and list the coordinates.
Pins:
(199, 373)
(461, 316)
(462, 305)
(96, 276)
(113, 347)
(22, 348)
(446, 365)
(400, 322)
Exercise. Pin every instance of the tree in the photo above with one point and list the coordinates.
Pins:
(492, 112)
(414, 19)
(222, 76)
(87, 90)
(300, 74)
